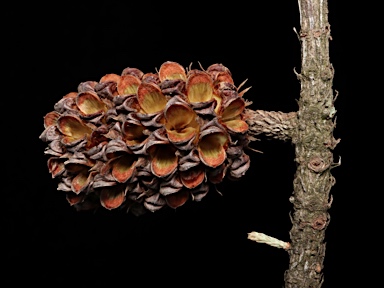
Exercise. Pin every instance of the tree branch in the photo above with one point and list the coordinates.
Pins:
(310, 129)
(277, 125)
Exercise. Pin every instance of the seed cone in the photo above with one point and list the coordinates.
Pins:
(143, 141)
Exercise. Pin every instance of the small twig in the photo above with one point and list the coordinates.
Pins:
(262, 238)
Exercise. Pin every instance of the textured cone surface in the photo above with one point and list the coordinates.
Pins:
(143, 141)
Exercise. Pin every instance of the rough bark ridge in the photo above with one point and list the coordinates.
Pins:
(311, 131)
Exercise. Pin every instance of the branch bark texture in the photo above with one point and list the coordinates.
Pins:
(310, 129)
(314, 142)
(273, 124)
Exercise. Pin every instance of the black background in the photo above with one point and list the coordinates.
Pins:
(50, 49)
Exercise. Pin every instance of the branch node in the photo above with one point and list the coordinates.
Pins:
(336, 164)
(337, 94)
(297, 34)
(298, 75)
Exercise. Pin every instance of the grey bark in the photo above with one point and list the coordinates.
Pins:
(310, 129)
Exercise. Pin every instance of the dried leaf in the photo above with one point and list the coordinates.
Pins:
(74, 198)
(178, 199)
(216, 175)
(73, 128)
(171, 70)
(81, 181)
(217, 68)
(89, 103)
(236, 125)
(231, 116)
(56, 166)
(150, 98)
(133, 131)
(211, 149)
(112, 77)
(51, 119)
(164, 160)
(193, 177)
(67, 105)
(123, 167)
(182, 135)
(178, 114)
(112, 197)
(223, 76)
(132, 71)
(232, 109)
(199, 87)
(128, 85)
